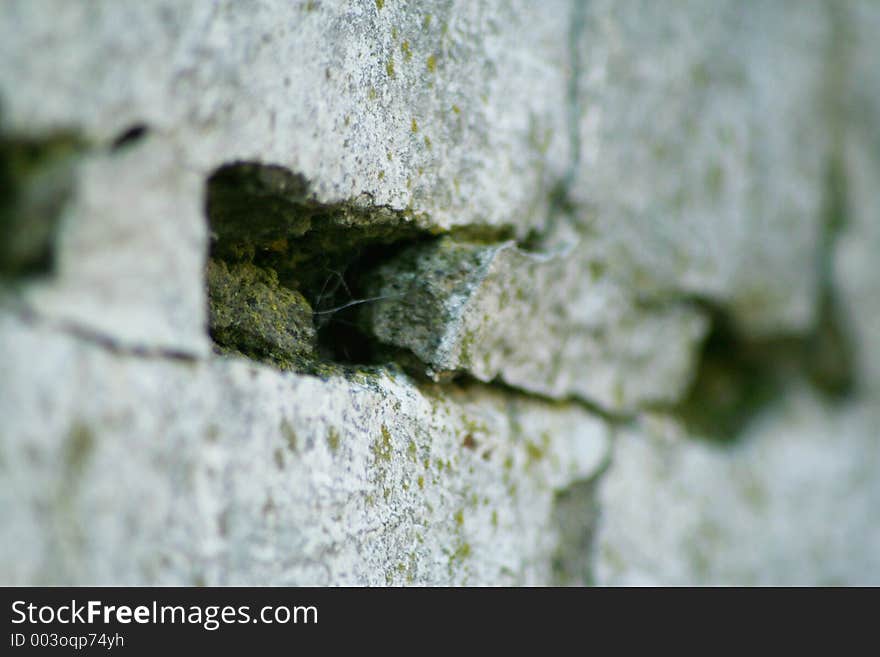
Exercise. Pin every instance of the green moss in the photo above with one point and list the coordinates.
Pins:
(382, 448)
(466, 348)
(432, 64)
(737, 378)
(536, 452)
(459, 517)
(474, 426)
(380, 4)
(252, 205)
(407, 53)
(421, 482)
(412, 451)
(426, 22)
(333, 439)
(289, 265)
(252, 314)
(414, 126)
(289, 435)
(389, 68)
(79, 447)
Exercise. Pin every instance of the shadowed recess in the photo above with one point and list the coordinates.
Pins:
(36, 181)
(285, 270)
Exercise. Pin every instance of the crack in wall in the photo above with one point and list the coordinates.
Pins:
(611, 418)
(95, 337)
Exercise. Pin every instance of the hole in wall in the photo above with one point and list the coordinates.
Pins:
(738, 376)
(130, 136)
(37, 179)
(286, 271)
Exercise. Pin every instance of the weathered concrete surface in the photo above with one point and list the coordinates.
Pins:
(129, 259)
(794, 502)
(435, 107)
(618, 163)
(700, 153)
(465, 117)
(135, 470)
(436, 104)
(555, 324)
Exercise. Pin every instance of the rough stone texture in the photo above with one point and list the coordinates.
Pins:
(568, 195)
(437, 105)
(135, 471)
(701, 158)
(338, 91)
(799, 489)
(553, 324)
(129, 251)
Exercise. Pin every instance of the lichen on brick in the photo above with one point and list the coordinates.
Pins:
(252, 314)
